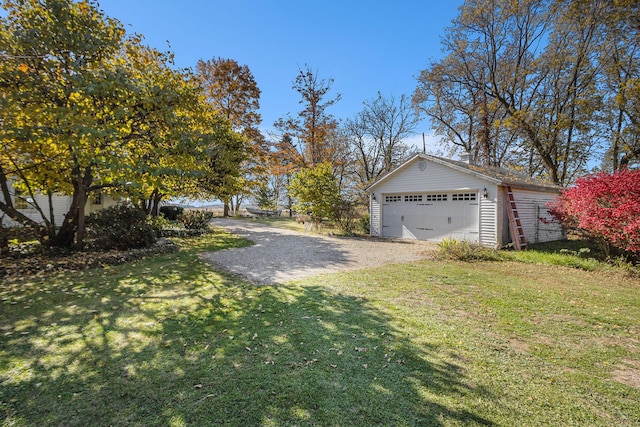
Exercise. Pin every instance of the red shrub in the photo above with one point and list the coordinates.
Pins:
(605, 207)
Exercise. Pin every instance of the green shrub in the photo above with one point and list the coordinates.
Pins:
(345, 217)
(120, 227)
(196, 220)
(159, 224)
(364, 223)
(463, 250)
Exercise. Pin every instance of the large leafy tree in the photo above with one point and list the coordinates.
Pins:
(520, 76)
(170, 126)
(85, 108)
(234, 93)
(620, 57)
(59, 92)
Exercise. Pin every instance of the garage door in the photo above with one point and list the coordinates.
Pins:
(431, 216)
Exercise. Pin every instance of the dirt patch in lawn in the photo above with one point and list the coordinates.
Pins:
(628, 373)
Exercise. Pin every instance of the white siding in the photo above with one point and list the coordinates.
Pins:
(488, 216)
(434, 178)
(60, 204)
(531, 207)
(106, 201)
(374, 218)
(60, 207)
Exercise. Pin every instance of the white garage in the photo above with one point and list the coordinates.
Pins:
(431, 198)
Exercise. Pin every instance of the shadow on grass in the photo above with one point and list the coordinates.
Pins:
(169, 342)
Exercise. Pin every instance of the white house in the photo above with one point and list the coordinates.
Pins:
(59, 205)
(432, 198)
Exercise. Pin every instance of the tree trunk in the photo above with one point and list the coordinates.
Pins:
(74, 224)
(225, 210)
(64, 237)
(4, 239)
(82, 201)
(156, 198)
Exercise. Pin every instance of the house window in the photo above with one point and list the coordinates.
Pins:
(97, 199)
(391, 199)
(19, 202)
(413, 198)
(463, 197)
(436, 197)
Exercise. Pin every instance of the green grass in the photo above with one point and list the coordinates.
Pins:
(170, 341)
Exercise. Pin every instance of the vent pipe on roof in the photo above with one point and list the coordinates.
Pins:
(467, 158)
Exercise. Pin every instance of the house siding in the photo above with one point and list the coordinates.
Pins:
(434, 178)
(374, 218)
(488, 213)
(61, 205)
(531, 207)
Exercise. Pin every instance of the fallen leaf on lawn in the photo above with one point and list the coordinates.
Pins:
(197, 386)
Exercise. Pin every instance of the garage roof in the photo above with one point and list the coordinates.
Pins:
(499, 176)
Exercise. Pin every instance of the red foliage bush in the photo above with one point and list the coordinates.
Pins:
(605, 207)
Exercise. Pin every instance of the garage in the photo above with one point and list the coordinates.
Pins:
(431, 216)
(432, 198)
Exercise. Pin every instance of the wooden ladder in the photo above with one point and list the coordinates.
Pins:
(517, 232)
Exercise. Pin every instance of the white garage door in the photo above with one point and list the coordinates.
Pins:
(431, 216)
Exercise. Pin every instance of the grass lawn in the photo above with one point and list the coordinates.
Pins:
(169, 341)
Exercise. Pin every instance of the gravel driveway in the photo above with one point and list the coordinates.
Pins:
(281, 255)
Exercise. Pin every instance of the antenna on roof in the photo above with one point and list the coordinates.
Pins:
(424, 145)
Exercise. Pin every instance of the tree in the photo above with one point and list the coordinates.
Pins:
(58, 91)
(316, 191)
(375, 136)
(605, 207)
(310, 139)
(528, 68)
(459, 109)
(171, 126)
(620, 58)
(233, 91)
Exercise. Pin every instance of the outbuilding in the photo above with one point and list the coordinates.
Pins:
(433, 198)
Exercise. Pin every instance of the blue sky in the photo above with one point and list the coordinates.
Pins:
(365, 47)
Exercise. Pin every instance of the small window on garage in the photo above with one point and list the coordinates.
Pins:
(391, 199)
(436, 197)
(463, 196)
(413, 198)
